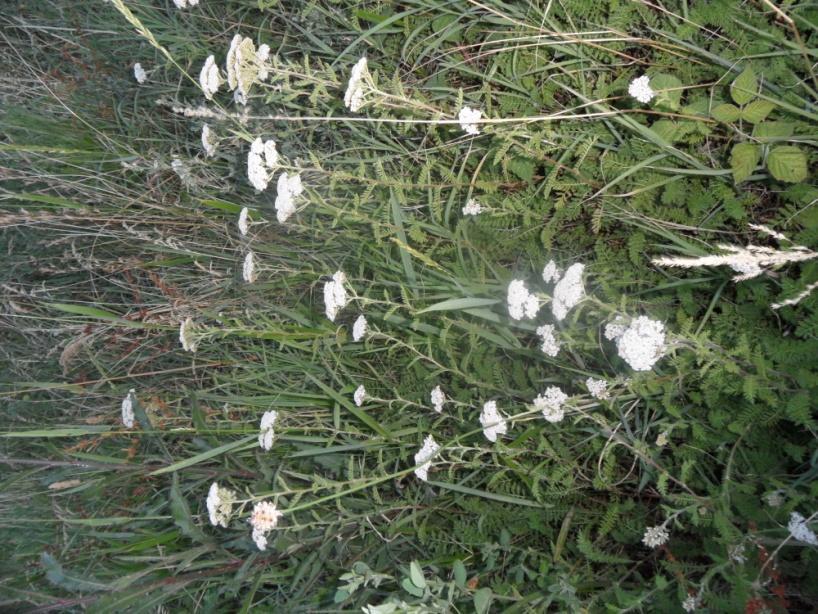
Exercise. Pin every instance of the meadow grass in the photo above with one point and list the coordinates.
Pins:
(118, 228)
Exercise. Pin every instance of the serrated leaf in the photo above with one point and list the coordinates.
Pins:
(757, 111)
(666, 129)
(668, 90)
(482, 600)
(416, 575)
(743, 160)
(787, 163)
(772, 130)
(726, 112)
(745, 87)
(460, 575)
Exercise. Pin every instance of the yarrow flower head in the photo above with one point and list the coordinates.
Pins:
(139, 73)
(187, 335)
(244, 222)
(642, 343)
(655, 536)
(774, 498)
(355, 92)
(220, 505)
(262, 55)
(289, 188)
(550, 344)
(438, 399)
(264, 519)
(183, 4)
(472, 207)
(568, 292)
(127, 409)
(209, 78)
(261, 163)
(359, 328)
(799, 530)
(550, 272)
(359, 395)
(550, 403)
(248, 270)
(423, 458)
(598, 388)
(661, 439)
(244, 65)
(469, 119)
(521, 303)
(615, 329)
(492, 421)
(640, 89)
(335, 295)
(266, 429)
(209, 141)
(690, 603)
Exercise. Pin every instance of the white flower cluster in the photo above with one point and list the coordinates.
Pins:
(640, 89)
(437, 398)
(551, 272)
(183, 4)
(423, 458)
(139, 73)
(359, 328)
(245, 66)
(615, 329)
(261, 163)
(264, 519)
(492, 421)
(187, 336)
(641, 344)
(209, 78)
(248, 270)
(550, 403)
(661, 439)
(359, 395)
(289, 188)
(799, 530)
(244, 222)
(127, 409)
(358, 79)
(774, 498)
(568, 292)
(655, 536)
(266, 429)
(209, 141)
(690, 603)
(521, 303)
(550, 344)
(220, 505)
(335, 295)
(472, 207)
(598, 388)
(469, 119)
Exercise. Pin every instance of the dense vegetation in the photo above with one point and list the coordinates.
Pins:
(118, 228)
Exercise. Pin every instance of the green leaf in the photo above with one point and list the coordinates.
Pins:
(743, 160)
(416, 575)
(726, 113)
(666, 130)
(72, 583)
(787, 163)
(482, 600)
(410, 588)
(181, 513)
(198, 458)
(668, 90)
(460, 575)
(457, 304)
(757, 111)
(766, 131)
(745, 87)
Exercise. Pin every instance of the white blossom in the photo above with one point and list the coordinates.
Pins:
(220, 505)
(423, 458)
(690, 603)
(187, 336)
(655, 536)
(209, 78)
(354, 95)
(438, 399)
(568, 292)
(243, 222)
(469, 119)
(550, 344)
(472, 207)
(262, 55)
(335, 295)
(289, 188)
(492, 421)
(550, 403)
(266, 429)
(640, 89)
(231, 62)
(127, 409)
(261, 163)
(239, 98)
(598, 388)
(243, 67)
(521, 303)
(799, 530)
(359, 395)
(183, 4)
(264, 519)
(248, 270)
(139, 73)
(642, 343)
(661, 439)
(774, 498)
(615, 329)
(550, 272)
(208, 141)
(359, 328)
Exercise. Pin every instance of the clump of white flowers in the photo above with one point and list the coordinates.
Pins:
(472, 207)
(550, 403)
(469, 119)
(220, 505)
(359, 395)
(690, 603)
(492, 421)
(615, 329)
(550, 272)
(423, 458)
(661, 439)
(244, 222)
(209, 141)
(139, 73)
(187, 335)
(183, 4)
(245, 66)
(248, 270)
(521, 303)
(774, 498)
(335, 295)
(264, 519)
(266, 429)
(261, 163)
(655, 536)
(641, 344)
(598, 388)
(209, 78)
(289, 188)
(127, 409)
(640, 89)
(550, 344)
(437, 398)
(359, 328)
(568, 292)
(799, 530)
(359, 81)
(262, 55)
